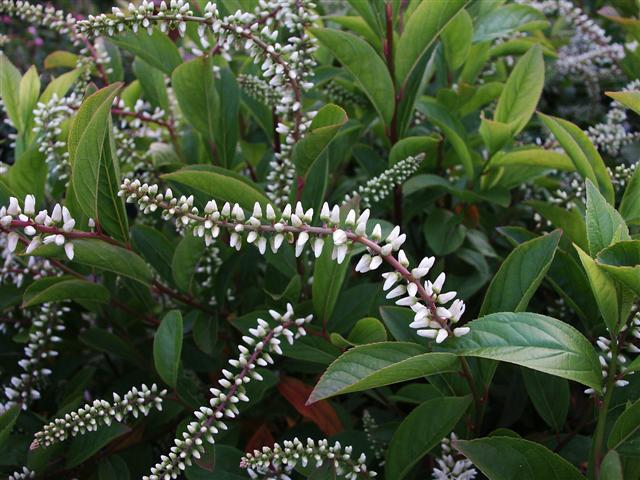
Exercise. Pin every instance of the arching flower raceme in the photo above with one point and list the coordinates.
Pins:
(266, 228)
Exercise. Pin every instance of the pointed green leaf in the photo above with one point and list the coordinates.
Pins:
(54, 289)
(520, 275)
(379, 364)
(534, 341)
(550, 397)
(604, 224)
(167, 347)
(363, 62)
(622, 262)
(509, 458)
(421, 431)
(626, 428)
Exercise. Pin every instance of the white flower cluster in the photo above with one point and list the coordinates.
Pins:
(46, 326)
(258, 89)
(263, 228)
(369, 425)
(277, 462)
(624, 344)
(448, 467)
(44, 228)
(256, 352)
(15, 268)
(380, 187)
(613, 134)
(23, 474)
(590, 54)
(48, 118)
(39, 14)
(136, 402)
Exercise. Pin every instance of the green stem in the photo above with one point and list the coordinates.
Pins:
(595, 458)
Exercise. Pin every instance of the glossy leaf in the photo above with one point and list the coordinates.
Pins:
(10, 90)
(328, 277)
(622, 262)
(522, 91)
(54, 289)
(456, 39)
(520, 275)
(194, 87)
(550, 397)
(611, 466)
(185, 260)
(156, 49)
(152, 82)
(7, 420)
(604, 224)
(630, 99)
(421, 431)
(379, 364)
(321, 132)
(422, 29)
(366, 66)
(508, 458)
(534, 341)
(630, 203)
(506, 19)
(626, 427)
(167, 347)
(221, 184)
(104, 256)
(584, 155)
(95, 174)
(85, 446)
(569, 221)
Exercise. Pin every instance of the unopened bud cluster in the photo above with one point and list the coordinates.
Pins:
(380, 187)
(448, 467)
(265, 227)
(43, 336)
(48, 119)
(39, 14)
(340, 95)
(136, 402)
(259, 89)
(369, 425)
(43, 227)
(23, 474)
(277, 462)
(259, 344)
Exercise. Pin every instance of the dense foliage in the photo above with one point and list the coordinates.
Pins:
(279, 239)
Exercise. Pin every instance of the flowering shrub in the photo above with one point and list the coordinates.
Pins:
(194, 198)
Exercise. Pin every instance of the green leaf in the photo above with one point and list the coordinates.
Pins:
(520, 275)
(452, 129)
(226, 127)
(506, 19)
(28, 174)
(456, 39)
(630, 204)
(95, 175)
(328, 277)
(522, 91)
(321, 132)
(60, 85)
(185, 260)
(611, 466)
(152, 82)
(29, 93)
(444, 232)
(412, 146)
(550, 397)
(533, 157)
(104, 256)
(534, 341)
(54, 289)
(366, 330)
(569, 221)
(154, 247)
(426, 22)
(421, 431)
(220, 184)
(584, 155)
(495, 135)
(630, 99)
(622, 262)
(167, 347)
(194, 87)
(366, 66)
(379, 364)
(156, 49)
(604, 290)
(509, 458)
(10, 90)
(85, 446)
(104, 341)
(7, 420)
(61, 59)
(604, 224)
(626, 427)
(205, 332)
